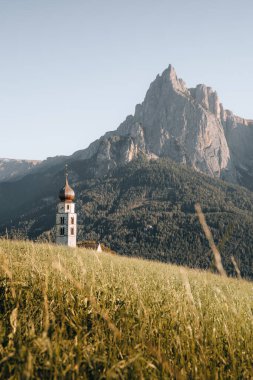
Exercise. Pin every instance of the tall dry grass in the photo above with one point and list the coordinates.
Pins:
(75, 314)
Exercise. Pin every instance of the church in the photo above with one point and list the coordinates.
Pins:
(66, 218)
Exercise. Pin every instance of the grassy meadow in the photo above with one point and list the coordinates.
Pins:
(76, 314)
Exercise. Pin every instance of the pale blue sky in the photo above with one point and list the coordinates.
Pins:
(70, 70)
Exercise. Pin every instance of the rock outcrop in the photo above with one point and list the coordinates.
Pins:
(180, 123)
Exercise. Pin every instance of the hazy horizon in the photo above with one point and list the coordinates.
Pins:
(72, 70)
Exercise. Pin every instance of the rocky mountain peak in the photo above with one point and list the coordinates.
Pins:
(171, 74)
(169, 79)
(187, 125)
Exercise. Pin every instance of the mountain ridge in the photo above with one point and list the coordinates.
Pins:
(188, 125)
(11, 169)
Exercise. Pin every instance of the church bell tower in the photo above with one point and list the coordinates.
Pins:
(66, 219)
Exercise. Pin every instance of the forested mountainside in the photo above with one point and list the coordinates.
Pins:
(146, 209)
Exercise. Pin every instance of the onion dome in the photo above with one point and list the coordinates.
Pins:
(67, 194)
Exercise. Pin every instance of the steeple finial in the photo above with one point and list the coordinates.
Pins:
(66, 194)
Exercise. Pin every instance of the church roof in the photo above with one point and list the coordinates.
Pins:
(66, 193)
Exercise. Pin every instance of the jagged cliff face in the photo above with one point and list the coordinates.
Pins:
(239, 135)
(178, 123)
(188, 125)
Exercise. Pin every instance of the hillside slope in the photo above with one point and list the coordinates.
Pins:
(73, 314)
(146, 208)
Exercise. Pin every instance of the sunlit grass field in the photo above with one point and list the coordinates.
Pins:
(77, 314)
